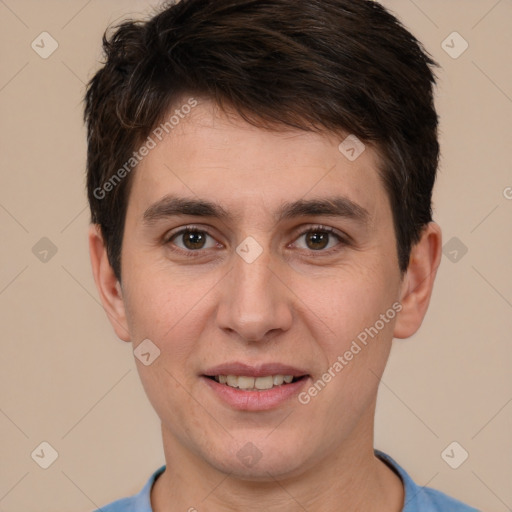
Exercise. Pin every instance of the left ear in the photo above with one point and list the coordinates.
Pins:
(418, 281)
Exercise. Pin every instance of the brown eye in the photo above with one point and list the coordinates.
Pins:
(191, 240)
(317, 240)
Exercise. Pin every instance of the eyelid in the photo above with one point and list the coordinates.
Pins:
(343, 238)
(170, 235)
(322, 227)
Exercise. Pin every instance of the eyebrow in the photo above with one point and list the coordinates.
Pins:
(339, 206)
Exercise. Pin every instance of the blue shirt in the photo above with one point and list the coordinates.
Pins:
(417, 499)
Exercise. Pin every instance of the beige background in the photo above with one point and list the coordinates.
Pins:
(67, 380)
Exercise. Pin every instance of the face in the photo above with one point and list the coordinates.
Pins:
(293, 257)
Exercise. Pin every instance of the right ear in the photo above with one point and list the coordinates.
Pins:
(108, 286)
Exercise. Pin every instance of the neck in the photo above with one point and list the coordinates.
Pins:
(349, 474)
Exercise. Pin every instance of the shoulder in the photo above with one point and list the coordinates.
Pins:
(433, 500)
(122, 505)
(140, 502)
(423, 499)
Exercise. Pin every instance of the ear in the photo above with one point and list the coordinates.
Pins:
(418, 281)
(107, 284)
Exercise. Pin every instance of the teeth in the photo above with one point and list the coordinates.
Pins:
(232, 381)
(244, 382)
(264, 382)
(253, 383)
(278, 380)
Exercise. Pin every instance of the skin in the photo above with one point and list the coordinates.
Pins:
(295, 304)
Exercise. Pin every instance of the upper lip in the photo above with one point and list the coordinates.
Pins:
(260, 370)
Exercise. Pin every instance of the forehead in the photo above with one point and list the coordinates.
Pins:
(212, 154)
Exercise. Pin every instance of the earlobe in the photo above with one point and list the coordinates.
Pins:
(108, 286)
(418, 281)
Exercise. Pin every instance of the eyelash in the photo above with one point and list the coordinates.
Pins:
(199, 252)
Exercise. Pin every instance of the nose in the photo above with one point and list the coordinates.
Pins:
(255, 302)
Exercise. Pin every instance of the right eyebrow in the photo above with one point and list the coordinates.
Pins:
(170, 206)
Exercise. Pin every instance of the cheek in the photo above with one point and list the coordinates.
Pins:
(353, 338)
(160, 301)
(166, 311)
(348, 301)
(355, 360)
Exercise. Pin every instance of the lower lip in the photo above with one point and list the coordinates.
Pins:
(256, 400)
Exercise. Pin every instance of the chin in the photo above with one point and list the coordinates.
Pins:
(258, 459)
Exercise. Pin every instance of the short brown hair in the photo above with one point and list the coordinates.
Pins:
(322, 65)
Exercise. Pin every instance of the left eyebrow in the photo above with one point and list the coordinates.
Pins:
(338, 206)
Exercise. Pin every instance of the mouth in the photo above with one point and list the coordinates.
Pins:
(255, 388)
(249, 383)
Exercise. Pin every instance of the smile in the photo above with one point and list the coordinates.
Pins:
(248, 383)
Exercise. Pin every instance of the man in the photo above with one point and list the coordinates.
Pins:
(260, 176)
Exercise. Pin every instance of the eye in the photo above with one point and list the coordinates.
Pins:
(192, 239)
(320, 238)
